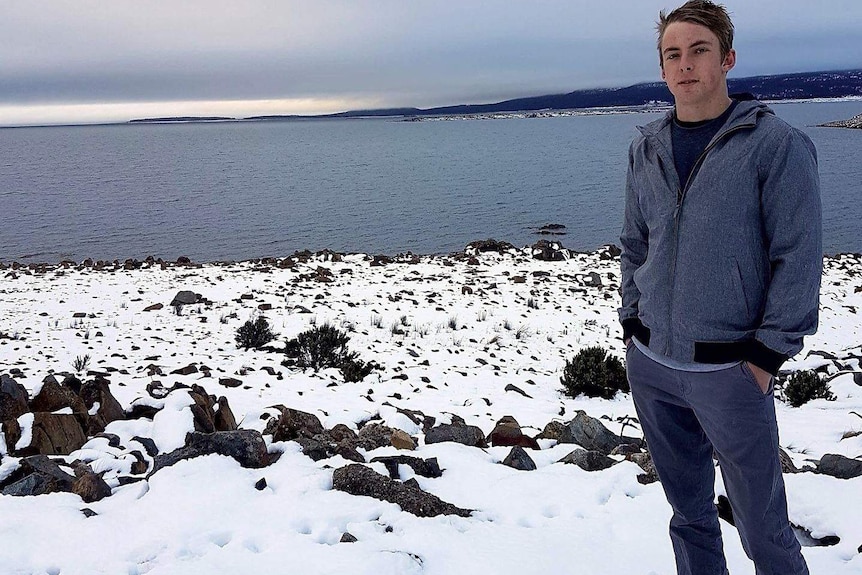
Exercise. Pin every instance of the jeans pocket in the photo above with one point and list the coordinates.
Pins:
(749, 375)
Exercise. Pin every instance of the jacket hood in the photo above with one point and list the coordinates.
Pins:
(746, 112)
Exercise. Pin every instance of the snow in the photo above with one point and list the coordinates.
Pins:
(205, 516)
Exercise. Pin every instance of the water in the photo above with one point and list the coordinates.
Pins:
(237, 191)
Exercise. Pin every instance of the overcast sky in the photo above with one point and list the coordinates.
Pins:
(86, 61)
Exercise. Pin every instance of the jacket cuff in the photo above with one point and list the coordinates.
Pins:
(634, 327)
(764, 357)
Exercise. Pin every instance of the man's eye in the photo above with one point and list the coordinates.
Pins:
(671, 56)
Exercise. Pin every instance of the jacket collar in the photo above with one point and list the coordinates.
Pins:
(746, 112)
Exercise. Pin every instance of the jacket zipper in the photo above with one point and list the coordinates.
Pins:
(680, 196)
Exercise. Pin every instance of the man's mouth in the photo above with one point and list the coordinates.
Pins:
(686, 82)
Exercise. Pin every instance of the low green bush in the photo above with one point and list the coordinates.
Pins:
(594, 373)
(254, 334)
(803, 386)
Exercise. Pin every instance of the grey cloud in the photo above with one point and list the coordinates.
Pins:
(415, 52)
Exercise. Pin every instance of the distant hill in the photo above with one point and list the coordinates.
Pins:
(180, 119)
(803, 85)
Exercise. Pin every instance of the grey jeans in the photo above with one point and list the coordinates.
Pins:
(687, 417)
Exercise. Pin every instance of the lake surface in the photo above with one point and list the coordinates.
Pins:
(244, 190)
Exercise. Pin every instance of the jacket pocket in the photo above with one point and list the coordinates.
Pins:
(738, 286)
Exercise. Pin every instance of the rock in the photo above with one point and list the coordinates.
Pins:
(141, 411)
(401, 440)
(625, 449)
(725, 511)
(260, 485)
(517, 389)
(839, 466)
(293, 424)
(185, 297)
(644, 461)
(13, 398)
(357, 479)
(508, 433)
(553, 430)
(374, 435)
(314, 447)
(590, 434)
(53, 397)
(806, 539)
(787, 465)
(348, 538)
(202, 409)
(468, 435)
(341, 433)
(97, 391)
(348, 451)
(154, 307)
(423, 467)
(588, 460)
(12, 432)
(246, 446)
(230, 382)
(549, 251)
(56, 434)
(518, 459)
(187, 370)
(593, 280)
(224, 419)
(36, 475)
(90, 486)
(148, 444)
(609, 252)
(489, 245)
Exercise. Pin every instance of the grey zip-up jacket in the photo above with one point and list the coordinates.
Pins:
(726, 266)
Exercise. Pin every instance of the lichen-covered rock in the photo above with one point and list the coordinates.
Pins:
(423, 467)
(589, 460)
(519, 459)
(293, 424)
(508, 433)
(246, 446)
(589, 433)
(468, 435)
(56, 434)
(36, 475)
(357, 479)
(13, 398)
(839, 466)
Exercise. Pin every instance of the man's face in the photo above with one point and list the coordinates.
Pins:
(693, 67)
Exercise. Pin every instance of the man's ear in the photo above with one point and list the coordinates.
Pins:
(662, 74)
(729, 61)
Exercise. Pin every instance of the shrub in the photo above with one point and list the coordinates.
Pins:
(322, 346)
(254, 334)
(80, 363)
(326, 346)
(595, 374)
(803, 386)
(354, 369)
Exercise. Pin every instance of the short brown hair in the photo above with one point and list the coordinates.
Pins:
(708, 14)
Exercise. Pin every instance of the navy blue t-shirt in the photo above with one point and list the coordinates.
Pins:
(690, 139)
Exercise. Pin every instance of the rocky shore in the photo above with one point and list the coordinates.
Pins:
(135, 431)
(854, 122)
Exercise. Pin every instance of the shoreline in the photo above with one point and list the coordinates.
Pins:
(151, 260)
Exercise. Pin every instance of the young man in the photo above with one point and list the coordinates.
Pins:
(721, 263)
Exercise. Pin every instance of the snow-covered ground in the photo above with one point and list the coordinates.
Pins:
(451, 335)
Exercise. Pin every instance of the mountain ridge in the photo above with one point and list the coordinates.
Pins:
(794, 86)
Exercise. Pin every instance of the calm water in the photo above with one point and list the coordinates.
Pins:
(237, 191)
